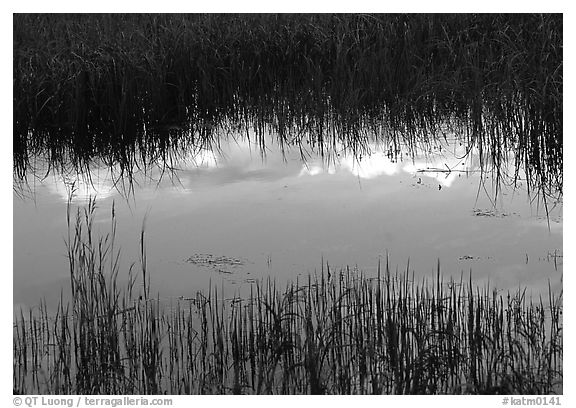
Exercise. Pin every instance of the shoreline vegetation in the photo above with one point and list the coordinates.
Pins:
(133, 92)
(141, 90)
(338, 332)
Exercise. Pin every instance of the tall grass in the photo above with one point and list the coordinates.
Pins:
(137, 89)
(338, 332)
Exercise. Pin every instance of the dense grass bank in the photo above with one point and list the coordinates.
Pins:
(136, 89)
(339, 332)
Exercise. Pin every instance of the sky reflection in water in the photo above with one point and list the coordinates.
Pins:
(233, 216)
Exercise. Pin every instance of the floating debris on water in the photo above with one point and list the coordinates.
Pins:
(473, 258)
(215, 261)
(478, 212)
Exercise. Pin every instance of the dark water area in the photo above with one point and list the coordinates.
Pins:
(182, 157)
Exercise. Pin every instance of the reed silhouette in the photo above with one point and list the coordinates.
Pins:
(338, 332)
(136, 90)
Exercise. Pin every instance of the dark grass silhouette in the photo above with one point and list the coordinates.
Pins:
(140, 90)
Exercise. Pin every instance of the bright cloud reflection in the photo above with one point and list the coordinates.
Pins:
(80, 189)
(440, 167)
(314, 170)
(236, 160)
(202, 158)
(369, 167)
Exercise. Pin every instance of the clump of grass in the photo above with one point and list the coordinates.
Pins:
(339, 332)
(138, 89)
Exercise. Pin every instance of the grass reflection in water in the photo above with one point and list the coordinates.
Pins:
(139, 90)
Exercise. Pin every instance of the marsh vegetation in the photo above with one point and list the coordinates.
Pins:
(138, 90)
(338, 332)
(132, 93)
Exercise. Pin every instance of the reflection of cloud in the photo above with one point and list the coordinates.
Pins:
(372, 166)
(232, 153)
(368, 167)
(439, 167)
(311, 170)
(238, 160)
(233, 162)
(443, 163)
(81, 187)
(201, 159)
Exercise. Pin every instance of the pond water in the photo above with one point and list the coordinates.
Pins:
(233, 216)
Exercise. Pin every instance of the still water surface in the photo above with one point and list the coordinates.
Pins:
(231, 217)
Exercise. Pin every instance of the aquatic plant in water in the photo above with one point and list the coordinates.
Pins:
(338, 332)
